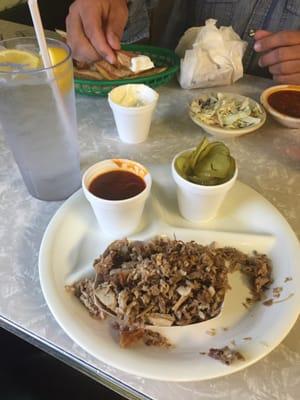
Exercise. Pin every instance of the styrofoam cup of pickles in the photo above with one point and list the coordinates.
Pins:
(201, 180)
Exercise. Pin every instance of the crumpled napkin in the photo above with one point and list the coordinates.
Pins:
(210, 56)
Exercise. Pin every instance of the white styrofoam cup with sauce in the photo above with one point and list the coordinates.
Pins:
(133, 107)
(117, 218)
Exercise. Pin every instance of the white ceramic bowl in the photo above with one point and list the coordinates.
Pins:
(283, 119)
(224, 133)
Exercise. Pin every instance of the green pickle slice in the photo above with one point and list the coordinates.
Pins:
(209, 164)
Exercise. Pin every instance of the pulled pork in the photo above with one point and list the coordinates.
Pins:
(257, 267)
(161, 282)
(130, 336)
(84, 291)
(225, 355)
(164, 282)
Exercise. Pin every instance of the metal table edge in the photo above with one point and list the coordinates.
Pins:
(75, 362)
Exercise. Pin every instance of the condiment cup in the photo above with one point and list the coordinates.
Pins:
(199, 203)
(133, 107)
(117, 218)
(283, 119)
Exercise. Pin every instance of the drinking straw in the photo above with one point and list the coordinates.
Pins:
(40, 34)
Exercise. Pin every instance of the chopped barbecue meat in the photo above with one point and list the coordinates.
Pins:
(129, 337)
(268, 302)
(277, 291)
(211, 332)
(84, 290)
(152, 338)
(166, 282)
(225, 355)
(256, 267)
(161, 282)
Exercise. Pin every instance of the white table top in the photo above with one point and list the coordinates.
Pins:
(269, 161)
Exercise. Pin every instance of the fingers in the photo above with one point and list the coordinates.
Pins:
(95, 28)
(291, 79)
(260, 34)
(280, 55)
(278, 39)
(81, 48)
(284, 64)
(86, 30)
(115, 26)
(93, 25)
(285, 68)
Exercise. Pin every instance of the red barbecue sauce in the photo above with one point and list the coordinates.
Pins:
(286, 102)
(117, 185)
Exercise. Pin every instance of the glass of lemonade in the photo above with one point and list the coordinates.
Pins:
(38, 116)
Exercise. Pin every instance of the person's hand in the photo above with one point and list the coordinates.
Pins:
(95, 28)
(281, 54)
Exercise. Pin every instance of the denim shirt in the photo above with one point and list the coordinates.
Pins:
(138, 24)
(243, 15)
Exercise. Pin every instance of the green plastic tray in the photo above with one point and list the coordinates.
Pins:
(160, 57)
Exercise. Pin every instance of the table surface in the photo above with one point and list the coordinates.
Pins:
(269, 161)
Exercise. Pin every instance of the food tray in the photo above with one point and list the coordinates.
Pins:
(160, 57)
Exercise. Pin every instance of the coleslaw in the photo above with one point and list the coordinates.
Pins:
(226, 111)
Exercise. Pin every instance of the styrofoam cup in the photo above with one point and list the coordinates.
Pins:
(133, 122)
(199, 203)
(117, 218)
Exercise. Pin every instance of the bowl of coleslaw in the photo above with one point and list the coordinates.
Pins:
(225, 115)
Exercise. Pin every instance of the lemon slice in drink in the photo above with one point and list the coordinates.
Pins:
(15, 60)
(57, 54)
(64, 72)
(20, 60)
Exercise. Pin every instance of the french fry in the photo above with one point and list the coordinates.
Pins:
(87, 74)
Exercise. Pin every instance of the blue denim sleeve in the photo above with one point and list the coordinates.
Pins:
(138, 24)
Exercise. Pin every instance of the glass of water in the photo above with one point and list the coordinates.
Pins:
(38, 116)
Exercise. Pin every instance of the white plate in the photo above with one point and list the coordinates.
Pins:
(246, 220)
